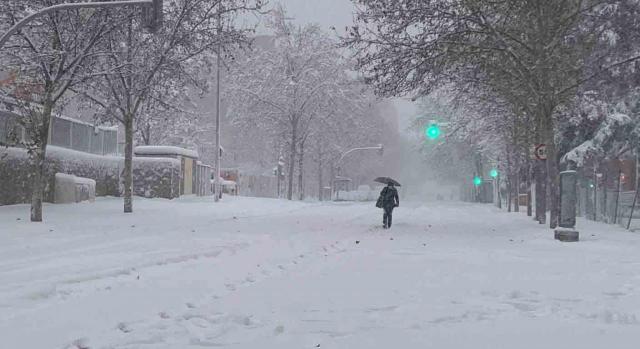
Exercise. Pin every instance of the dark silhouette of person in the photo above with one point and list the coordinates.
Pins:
(390, 200)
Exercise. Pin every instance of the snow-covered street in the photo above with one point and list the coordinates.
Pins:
(258, 273)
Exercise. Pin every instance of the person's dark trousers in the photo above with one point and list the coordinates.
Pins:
(387, 217)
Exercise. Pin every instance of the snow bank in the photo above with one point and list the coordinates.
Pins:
(358, 195)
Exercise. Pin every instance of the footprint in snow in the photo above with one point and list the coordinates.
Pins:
(81, 343)
(124, 327)
(190, 305)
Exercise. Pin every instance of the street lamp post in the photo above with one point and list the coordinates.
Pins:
(279, 173)
(379, 148)
(216, 181)
(153, 20)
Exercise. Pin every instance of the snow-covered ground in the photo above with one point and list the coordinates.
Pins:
(257, 273)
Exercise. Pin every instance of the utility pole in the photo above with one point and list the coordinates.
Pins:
(216, 180)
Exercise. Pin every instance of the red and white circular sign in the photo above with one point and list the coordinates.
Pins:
(540, 152)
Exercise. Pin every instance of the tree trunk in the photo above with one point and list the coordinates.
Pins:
(529, 203)
(541, 191)
(301, 173)
(37, 194)
(320, 175)
(292, 158)
(516, 188)
(509, 194)
(332, 181)
(605, 211)
(509, 178)
(553, 173)
(146, 135)
(128, 163)
(540, 174)
(38, 160)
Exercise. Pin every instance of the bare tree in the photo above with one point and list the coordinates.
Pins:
(281, 88)
(176, 55)
(46, 60)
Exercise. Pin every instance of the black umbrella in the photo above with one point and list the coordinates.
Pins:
(387, 180)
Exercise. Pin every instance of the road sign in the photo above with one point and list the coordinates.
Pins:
(540, 152)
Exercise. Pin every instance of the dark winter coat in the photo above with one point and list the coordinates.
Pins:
(390, 197)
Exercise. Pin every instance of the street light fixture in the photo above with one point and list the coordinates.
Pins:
(379, 148)
(152, 13)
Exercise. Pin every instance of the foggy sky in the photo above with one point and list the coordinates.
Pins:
(338, 14)
(327, 13)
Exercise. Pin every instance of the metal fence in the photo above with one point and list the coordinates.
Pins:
(66, 133)
(610, 206)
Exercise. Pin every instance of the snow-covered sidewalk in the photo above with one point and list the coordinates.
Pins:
(258, 273)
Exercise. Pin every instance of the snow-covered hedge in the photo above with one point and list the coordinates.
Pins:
(358, 195)
(156, 177)
(70, 188)
(153, 177)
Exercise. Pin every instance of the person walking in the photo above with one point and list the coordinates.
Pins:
(390, 200)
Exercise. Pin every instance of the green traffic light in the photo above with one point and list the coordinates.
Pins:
(433, 131)
(493, 173)
(477, 181)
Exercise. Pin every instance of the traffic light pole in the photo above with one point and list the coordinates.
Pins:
(72, 6)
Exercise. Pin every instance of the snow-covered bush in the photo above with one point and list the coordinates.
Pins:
(153, 177)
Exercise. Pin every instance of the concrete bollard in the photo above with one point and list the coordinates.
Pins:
(568, 200)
